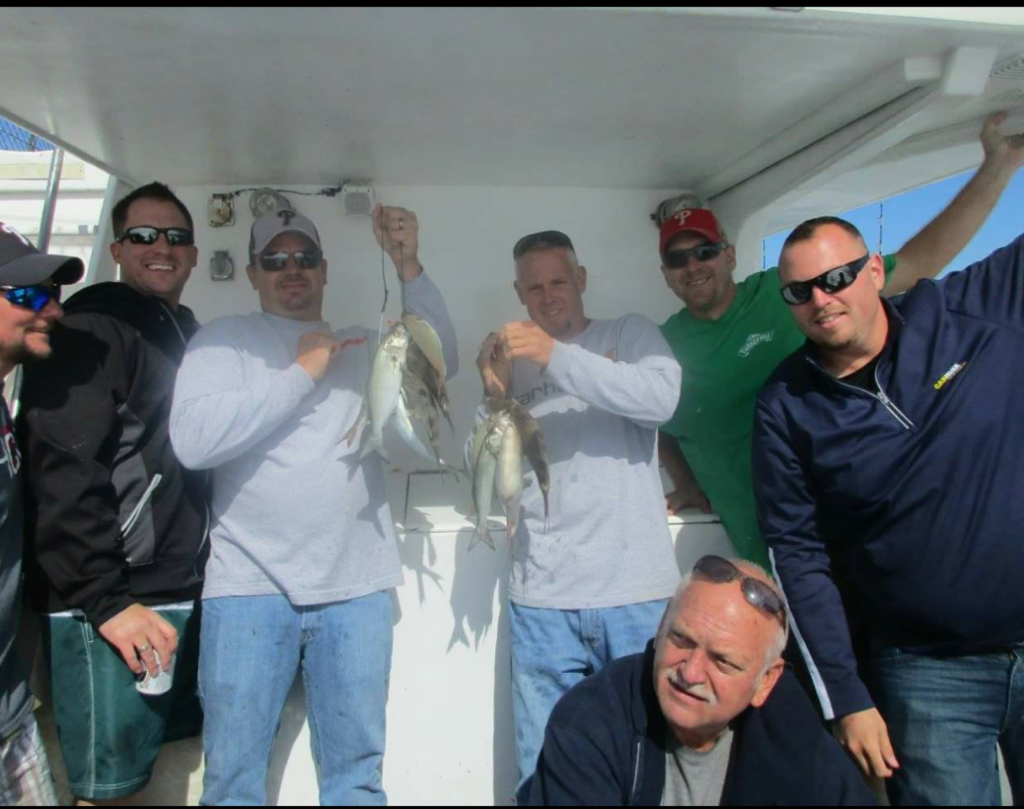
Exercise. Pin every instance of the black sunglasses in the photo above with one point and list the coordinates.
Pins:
(679, 259)
(34, 297)
(720, 571)
(830, 281)
(304, 260)
(147, 234)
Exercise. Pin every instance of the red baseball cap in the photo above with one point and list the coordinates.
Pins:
(699, 220)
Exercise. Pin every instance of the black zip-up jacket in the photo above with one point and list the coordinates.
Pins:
(605, 746)
(111, 517)
(918, 489)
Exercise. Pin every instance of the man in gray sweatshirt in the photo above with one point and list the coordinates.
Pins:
(589, 583)
(303, 551)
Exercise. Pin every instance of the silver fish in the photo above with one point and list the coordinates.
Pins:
(420, 366)
(404, 428)
(483, 484)
(532, 440)
(509, 475)
(424, 336)
(385, 387)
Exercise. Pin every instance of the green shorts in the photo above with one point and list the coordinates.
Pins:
(110, 734)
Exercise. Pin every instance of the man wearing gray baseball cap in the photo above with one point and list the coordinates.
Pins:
(303, 552)
(30, 288)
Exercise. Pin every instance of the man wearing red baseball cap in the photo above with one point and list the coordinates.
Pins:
(730, 337)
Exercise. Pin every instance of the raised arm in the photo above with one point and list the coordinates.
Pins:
(397, 231)
(947, 234)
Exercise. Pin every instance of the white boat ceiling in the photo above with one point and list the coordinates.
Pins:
(612, 98)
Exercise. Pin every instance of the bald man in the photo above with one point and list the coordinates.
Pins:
(706, 716)
(892, 442)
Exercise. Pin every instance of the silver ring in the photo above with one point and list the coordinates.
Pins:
(145, 647)
(401, 223)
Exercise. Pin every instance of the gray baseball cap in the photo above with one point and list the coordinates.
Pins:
(21, 265)
(271, 225)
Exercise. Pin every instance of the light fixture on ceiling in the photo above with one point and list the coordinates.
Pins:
(267, 200)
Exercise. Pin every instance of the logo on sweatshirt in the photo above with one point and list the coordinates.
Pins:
(754, 340)
(946, 377)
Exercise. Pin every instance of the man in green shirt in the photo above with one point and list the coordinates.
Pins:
(730, 337)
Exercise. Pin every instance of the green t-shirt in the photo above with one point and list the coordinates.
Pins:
(725, 362)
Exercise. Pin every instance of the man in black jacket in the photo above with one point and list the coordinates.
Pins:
(706, 716)
(115, 526)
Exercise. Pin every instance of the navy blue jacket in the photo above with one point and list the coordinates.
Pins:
(919, 490)
(605, 746)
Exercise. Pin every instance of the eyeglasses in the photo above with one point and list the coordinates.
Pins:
(679, 259)
(146, 234)
(830, 281)
(720, 571)
(304, 260)
(34, 297)
(544, 239)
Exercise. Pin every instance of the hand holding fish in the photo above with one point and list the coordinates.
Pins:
(397, 231)
(495, 367)
(527, 340)
(317, 349)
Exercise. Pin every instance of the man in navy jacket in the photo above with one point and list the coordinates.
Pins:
(706, 716)
(891, 444)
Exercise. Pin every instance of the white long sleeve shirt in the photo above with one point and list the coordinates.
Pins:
(294, 510)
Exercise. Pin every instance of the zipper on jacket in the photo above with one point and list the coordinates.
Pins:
(633, 797)
(137, 511)
(887, 403)
(174, 321)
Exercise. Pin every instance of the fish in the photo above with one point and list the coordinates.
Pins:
(384, 389)
(418, 365)
(404, 428)
(532, 439)
(509, 475)
(426, 339)
(422, 406)
(484, 472)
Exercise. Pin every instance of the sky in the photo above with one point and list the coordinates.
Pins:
(905, 214)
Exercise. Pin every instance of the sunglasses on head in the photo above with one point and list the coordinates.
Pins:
(830, 281)
(146, 234)
(34, 297)
(303, 259)
(719, 570)
(679, 259)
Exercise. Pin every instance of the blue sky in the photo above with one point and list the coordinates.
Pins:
(905, 214)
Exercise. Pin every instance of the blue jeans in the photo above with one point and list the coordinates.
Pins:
(251, 649)
(945, 718)
(552, 650)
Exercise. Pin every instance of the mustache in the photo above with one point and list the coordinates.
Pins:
(698, 690)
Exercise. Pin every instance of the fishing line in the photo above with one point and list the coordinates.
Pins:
(383, 278)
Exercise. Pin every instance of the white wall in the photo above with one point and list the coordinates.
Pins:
(466, 238)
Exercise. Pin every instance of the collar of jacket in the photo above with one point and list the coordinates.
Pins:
(897, 322)
(118, 300)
